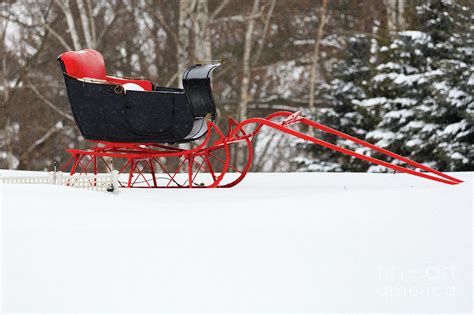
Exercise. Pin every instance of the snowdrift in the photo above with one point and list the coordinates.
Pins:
(305, 242)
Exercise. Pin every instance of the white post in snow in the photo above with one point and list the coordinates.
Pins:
(114, 181)
(52, 178)
(59, 178)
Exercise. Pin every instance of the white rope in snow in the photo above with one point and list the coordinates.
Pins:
(99, 182)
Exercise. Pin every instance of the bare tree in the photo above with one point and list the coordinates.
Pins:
(186, 8)
(85, 21)
(264, 32)
(6, 137)
(246, 70)
(395, 10)
(202, 35)
(66, 8)
(315, 57)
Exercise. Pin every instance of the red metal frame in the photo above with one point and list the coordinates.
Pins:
(210, 164)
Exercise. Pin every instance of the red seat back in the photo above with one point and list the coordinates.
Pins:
(86, 63)
(89, 63)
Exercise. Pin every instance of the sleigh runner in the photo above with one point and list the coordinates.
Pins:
(138, 124)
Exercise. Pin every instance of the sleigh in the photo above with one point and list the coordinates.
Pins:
(140, 125)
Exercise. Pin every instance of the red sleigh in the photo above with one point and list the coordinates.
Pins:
(137, 124)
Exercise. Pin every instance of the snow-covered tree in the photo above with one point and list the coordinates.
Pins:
(423, 100)
(415, 98)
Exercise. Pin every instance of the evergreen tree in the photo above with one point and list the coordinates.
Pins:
(423, 99)
(418, 101)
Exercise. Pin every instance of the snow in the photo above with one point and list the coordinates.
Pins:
(406, 80)
(15, 161)
(298, 42)
(389, 65)
(416, 36)
(404, 101)
(471, 80)
(429, 127)
(457, 156)
(287, 242)
(310, 165)
(454, 128)
(401, 114)
(457, 97)
(414, 143)
(382, 134)
(376, 101)
(415, 124)
(371, 101)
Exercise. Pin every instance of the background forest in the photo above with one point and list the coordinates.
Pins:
(397, 73)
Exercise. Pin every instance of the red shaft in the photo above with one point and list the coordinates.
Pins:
(443, 178)
(378, 149)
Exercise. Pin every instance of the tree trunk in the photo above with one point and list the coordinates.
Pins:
(202, 35)
(66, 8)
(185, 9)
(246, 71)
(85, 24)
(395, 10)
(264, 32)
(8, 130)
(315, 58)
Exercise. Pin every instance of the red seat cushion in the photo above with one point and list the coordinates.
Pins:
(86, 63)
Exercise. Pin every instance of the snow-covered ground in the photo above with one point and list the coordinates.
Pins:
(305, 242)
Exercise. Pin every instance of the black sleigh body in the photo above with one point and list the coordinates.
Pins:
(114, 109)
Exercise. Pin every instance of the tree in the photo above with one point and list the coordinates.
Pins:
(423, 99)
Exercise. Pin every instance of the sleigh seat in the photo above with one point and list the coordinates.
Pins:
(119, 109)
